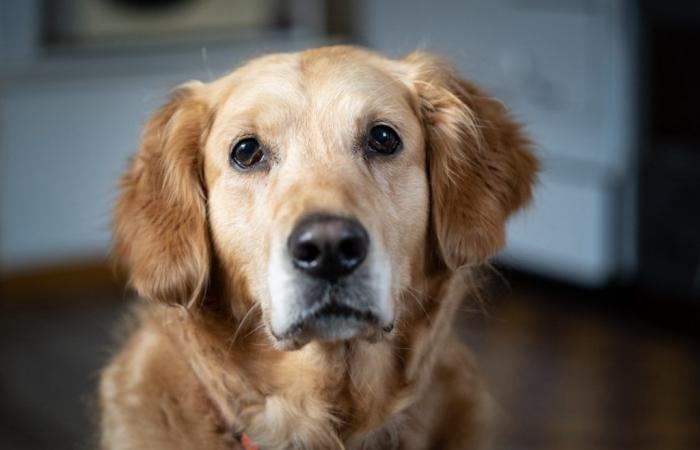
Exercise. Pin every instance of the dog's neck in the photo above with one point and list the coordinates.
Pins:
(322, 395)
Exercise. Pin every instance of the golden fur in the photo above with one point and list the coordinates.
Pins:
(196, 237)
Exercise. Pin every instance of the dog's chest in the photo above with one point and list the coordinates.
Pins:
(310, 399)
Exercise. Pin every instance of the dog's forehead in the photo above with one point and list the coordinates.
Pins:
(344, 82)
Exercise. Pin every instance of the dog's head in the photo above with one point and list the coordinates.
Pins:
(320, 186)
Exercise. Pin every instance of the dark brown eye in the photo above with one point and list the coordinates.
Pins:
(247, 153)
(383, 139)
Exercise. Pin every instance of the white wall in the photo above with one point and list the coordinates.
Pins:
(18, 35)
(63, 147)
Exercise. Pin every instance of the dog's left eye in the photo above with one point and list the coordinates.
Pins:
(382, 139)
(247, 153)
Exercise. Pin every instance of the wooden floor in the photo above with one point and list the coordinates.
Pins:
(566, 378)
(573, 378)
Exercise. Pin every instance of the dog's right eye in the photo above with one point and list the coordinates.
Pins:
(247, 153)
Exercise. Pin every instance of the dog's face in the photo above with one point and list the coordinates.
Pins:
(310, 179)
(318, 195)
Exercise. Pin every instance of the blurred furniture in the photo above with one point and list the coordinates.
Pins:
(104, 20)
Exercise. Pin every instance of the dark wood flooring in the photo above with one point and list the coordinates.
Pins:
(571, 373)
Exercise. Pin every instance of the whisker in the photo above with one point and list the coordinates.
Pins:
(260, 326)
(414, 296)
(241, 324)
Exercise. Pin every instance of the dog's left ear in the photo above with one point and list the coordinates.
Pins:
(480, 165)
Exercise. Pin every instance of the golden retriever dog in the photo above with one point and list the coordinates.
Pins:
(305, 229)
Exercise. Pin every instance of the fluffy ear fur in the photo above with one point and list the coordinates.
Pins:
(160, 231)
(480, 167)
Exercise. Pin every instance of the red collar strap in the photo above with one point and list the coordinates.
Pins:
(242, 438)
(246, 443)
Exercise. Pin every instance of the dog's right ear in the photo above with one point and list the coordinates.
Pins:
(160, 230)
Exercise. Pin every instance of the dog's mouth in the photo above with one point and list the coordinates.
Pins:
(303, 309)
(334, 321)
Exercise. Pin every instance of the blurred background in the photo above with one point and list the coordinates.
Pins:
(589, 337)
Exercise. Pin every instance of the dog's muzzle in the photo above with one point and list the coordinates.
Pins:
(336, 301)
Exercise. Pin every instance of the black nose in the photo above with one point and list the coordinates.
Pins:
(328, 247)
